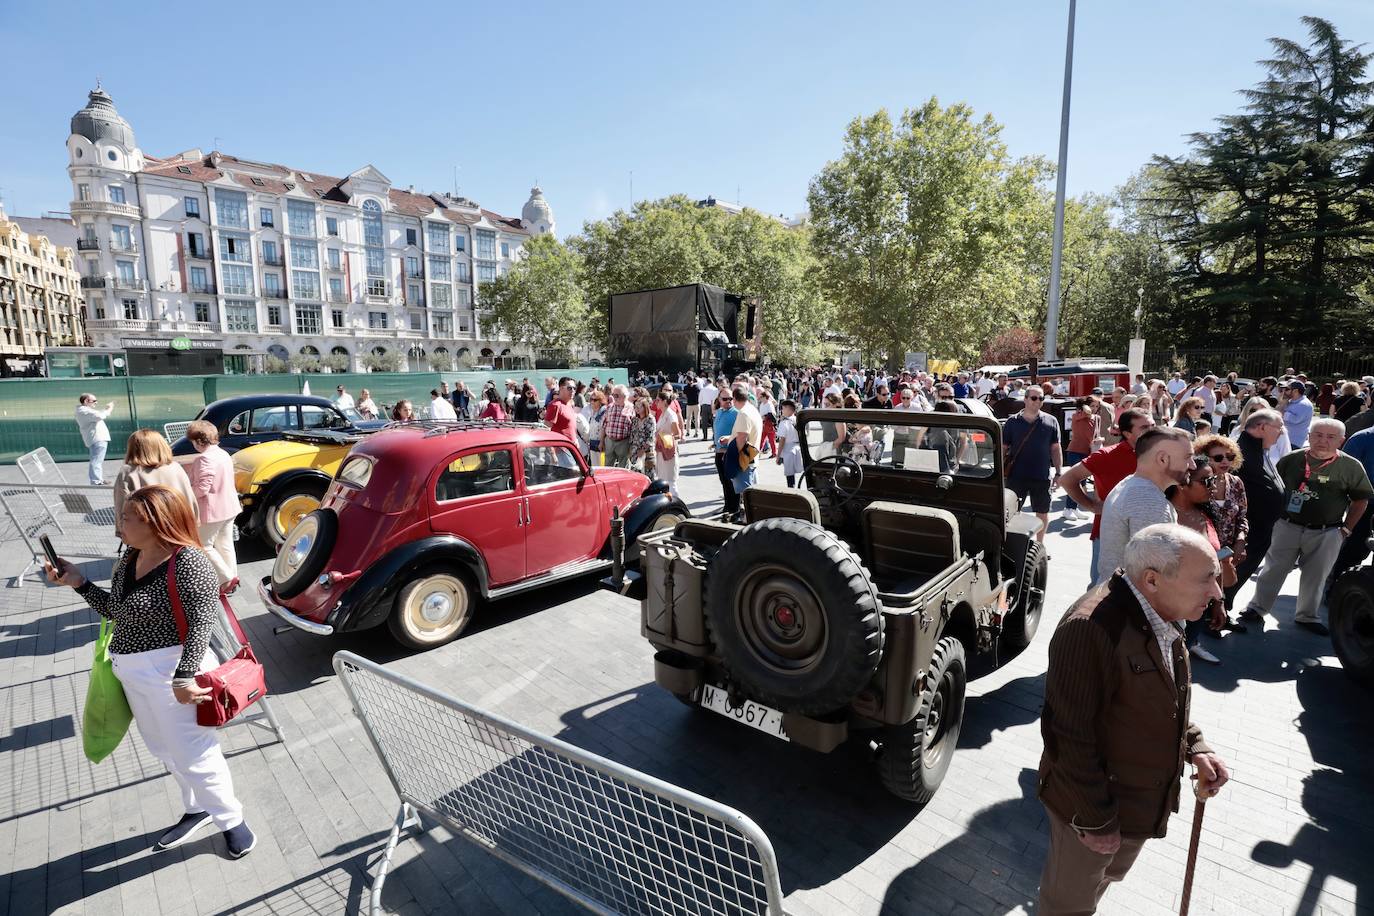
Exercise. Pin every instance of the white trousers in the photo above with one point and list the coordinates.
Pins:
(218, 540)
(190, 752)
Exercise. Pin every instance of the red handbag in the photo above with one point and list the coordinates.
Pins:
(235, 685)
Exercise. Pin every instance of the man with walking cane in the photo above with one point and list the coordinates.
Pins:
(1115, 721)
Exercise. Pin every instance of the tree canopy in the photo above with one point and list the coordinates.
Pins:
(540, 301)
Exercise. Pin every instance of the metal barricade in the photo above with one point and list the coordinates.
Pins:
(37, 466)
(174, 431)
(79, 518)
(613, 839)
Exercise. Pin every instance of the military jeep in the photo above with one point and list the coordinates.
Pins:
(849, 608)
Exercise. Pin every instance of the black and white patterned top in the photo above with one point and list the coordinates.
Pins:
(142, 608)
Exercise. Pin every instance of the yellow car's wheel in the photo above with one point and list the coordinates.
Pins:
(289, 507)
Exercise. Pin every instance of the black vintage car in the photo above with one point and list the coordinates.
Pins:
(254, 418)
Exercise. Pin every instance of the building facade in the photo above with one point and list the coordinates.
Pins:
(40, 297)
(270, 259)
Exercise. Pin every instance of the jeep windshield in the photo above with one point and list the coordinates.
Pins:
(902, 442)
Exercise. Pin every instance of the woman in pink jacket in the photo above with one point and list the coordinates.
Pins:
(212, 480)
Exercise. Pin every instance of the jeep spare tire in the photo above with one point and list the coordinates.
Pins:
(304, 554)
(794, 616)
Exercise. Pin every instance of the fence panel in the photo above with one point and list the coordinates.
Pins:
(41, 413)
(611, 838)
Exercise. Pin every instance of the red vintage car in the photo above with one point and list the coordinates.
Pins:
(425, 519)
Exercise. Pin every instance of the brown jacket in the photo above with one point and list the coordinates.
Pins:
(1115, 725)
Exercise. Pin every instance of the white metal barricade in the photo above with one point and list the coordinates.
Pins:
(613, 839)
(174, 431)
(37, 466)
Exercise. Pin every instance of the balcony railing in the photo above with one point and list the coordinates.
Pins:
(126, 283)
(199, 254)
(208, 288)
(273, 261)
(334, 268)
(338, 297)
(274, 294)
(129, 246)
(104, 206)
(88, 244)
(122, 324)
(92, 282)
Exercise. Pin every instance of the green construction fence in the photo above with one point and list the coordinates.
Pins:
(37, 412)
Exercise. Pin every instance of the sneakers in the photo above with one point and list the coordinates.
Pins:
(1196, 651)
(240, 840)
(182, 831)
(1314, 626)
(1252, 615)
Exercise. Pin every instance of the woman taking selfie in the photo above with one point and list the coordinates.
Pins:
(156, 668)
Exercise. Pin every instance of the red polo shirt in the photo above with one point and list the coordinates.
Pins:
(561, 419)
(1109, 466)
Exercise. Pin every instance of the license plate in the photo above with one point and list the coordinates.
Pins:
(750, 713)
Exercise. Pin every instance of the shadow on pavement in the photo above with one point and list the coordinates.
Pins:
(1015, 703)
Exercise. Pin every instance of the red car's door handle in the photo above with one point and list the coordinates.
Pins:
(528, 519)
(519, 513)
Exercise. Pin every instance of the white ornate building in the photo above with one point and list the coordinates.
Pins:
(266, 258)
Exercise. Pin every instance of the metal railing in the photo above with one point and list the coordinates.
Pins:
(88, 244)
(608, 837)
(92, 282)
(174, 431)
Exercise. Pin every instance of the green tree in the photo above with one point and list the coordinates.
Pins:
(911, 225)
(540, 301)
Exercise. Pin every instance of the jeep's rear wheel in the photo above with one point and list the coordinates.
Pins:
(1027, 601)
(431, 611)
(794, 616)
(1352, 623)
(293, 503)
(913, 758)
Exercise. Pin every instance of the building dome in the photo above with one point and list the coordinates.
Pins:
(537, 215)
(99, 121)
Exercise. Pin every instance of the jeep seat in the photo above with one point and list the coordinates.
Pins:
(780, 502)
(704, 534)
(909, 542)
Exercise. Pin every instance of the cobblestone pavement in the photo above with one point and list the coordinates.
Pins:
(1291, 835)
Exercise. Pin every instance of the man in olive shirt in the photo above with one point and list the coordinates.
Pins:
(1326, 492)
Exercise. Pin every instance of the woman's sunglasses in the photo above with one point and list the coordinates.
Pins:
(1219, 458)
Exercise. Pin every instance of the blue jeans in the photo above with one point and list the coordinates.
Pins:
(96, 470)
(746, 479)
(1073, 458)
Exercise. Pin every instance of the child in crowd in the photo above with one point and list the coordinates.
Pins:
(789, 444)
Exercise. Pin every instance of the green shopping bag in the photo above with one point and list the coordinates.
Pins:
(107, 715)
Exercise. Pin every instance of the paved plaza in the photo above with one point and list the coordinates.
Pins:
(1292, 833)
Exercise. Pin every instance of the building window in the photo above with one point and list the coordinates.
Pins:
(238, 279)
(505, 249)
(336, 293)
(374, 242)
(241, 316)
(116, 194)
(486, 243)
(192, 206)
(460, 241)
(376, 320)
(438, 268)
(266, 217)
(443, 325)
(202, 312)
(300, 218)
(236, 248)
(120, 238)
(376, 287)
(413, 293)
(464, 297)
(410, 236)
(412, 266)
(438, 236)
(274, 316)
(308, 319)
(462, 271)
(305, 284)
(334, 261)
(231, 207)
(269, 253)
(486, 272)
(417, 321)
(125, 271)
(271, 285)
(441, 296)
(336, 317)
(83, 192)
(331, 225)
(195, 243)
(200, 280)
(130, 309)
(100, 309)
(305, 254)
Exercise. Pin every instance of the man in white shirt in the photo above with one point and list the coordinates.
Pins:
(835, 388)
(984, 385)
(706, 398)
(343, 400)
(1176, 385)
(94, 434)
(748, 431)
(440, 408)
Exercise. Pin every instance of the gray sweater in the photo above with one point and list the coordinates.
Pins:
(1135, 503)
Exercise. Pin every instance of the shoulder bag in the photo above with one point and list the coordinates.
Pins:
(1006, 468)
(236, 684)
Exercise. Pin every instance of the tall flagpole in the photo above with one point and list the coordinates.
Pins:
(1052, 315)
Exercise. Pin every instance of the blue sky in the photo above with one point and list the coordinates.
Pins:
(702, 98)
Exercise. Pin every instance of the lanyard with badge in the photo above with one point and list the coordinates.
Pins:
(1302, 494)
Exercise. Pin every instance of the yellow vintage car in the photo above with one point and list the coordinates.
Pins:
(282, 481)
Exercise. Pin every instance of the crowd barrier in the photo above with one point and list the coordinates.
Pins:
(41, 413)
(608, 837)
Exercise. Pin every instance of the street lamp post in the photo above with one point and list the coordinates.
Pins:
(1139, 308)
(1056, 261)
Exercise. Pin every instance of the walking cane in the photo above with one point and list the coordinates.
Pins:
(1199, 808)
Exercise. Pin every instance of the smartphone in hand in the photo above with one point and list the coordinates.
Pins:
(50, 552)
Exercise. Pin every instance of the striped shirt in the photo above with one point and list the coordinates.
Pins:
(1166, 633)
